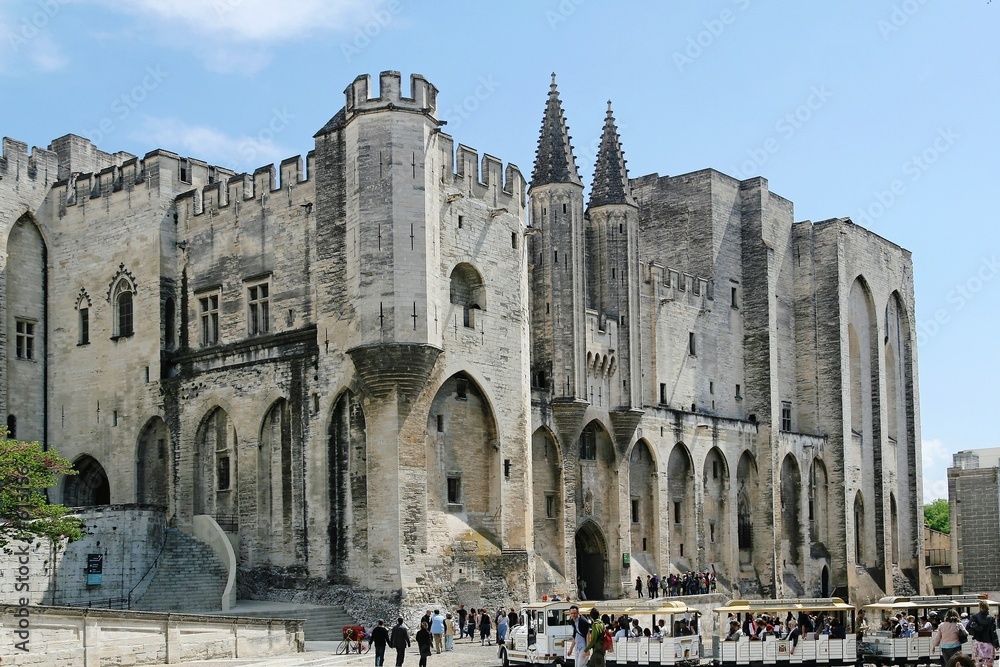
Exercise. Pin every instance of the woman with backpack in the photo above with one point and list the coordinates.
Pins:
(983, 629)
(949, 636)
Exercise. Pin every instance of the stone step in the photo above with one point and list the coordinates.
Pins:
(188, 577)
(322, 623)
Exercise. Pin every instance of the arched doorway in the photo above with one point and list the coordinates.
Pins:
(152, 464)
(683, 518)
(591, 561)
(715, 482)
(824, 582)
(89, 487)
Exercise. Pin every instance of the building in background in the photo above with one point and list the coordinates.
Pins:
(400, 365)
(974, 497)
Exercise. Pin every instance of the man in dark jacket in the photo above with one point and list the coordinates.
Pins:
(380, 637)
(399, 639)
(983, 629)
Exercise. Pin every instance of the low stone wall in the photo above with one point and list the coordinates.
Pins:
(72, 637)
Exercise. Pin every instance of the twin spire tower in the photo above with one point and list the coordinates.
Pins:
(584, 270)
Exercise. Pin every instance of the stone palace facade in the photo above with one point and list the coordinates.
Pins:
(401, 365)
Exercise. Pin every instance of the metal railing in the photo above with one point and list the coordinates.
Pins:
(101, 603)
(937, 557)
(230, 523)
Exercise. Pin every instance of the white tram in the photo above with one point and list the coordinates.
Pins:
(544, 635)
(811, 650)
(880, 647)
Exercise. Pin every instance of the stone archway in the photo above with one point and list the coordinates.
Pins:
(591, 561)
(152, 469)
(89, 487)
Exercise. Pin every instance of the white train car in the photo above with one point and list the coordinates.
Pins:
(544, 635)
(811, 650)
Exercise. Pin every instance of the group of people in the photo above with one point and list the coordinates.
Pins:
(438, 632)
(764, 626)
(691, 583)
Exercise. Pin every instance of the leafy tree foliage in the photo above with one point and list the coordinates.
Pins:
(26, 470)
(937, 515)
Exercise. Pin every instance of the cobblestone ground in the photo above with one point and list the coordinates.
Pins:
(321, 654)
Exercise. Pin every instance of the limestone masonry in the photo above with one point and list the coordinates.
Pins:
(402, 366)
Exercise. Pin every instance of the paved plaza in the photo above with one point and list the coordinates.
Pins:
(321, 654)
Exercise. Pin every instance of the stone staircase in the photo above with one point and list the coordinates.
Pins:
(323, 624)
(189, 578)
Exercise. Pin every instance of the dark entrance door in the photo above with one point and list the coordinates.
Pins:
(591, 560)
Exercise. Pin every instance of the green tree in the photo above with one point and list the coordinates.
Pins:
(937, 515)
(26, 470)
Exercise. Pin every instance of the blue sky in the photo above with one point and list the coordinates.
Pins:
(883, 111)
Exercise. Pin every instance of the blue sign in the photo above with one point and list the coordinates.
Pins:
(94, 579)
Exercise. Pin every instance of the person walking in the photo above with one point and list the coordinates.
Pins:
(399, 639)
(462, 615)
(379, 638)
(424, 643)
(437, 630)
(949, 636)
(638, 586)
(471, 629)
(485, 627)
(581, 630)
(449, 632)
(983, 629)
(595, 644)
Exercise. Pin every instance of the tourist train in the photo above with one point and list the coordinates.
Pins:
(544, 634)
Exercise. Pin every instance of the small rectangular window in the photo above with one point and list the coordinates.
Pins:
(208, 310)
(663, 393)
(506, 468)
(454, 490)
(258, 308)
(223, 473)
(550, 506)
(711, 387)
(161, 448)
(738, 394)
(715, 470)
(462, 389)
(711, 533)
(513, 240)
(735, 303)
(114, 418)
(24, 344)
(84, 326)
(691, 347)
(440, 423)
(461, 218)
(635, 510)
(786, 416)
(644, 544)
(677, 512)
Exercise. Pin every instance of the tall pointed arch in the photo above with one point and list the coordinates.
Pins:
(682, 507)
(152, 463)
(747, 500)
(214, 465)
(644, 506)
(715, 523)
(548, 511)
(347, 443)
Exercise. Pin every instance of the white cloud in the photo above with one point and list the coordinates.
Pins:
(239, 152)
(254, 21)
(936, 460)
(26, 42)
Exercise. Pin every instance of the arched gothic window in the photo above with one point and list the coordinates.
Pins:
(124, 306)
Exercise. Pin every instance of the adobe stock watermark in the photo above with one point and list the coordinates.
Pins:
(958, 298)
(35, 22)
(900, 15)
(125, 104)
(457, 113)
(562, 12)
(785, 128)
(263, 141)
(914, 169)
(698, 43)
(370, 28)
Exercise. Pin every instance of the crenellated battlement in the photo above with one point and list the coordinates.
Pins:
(484, 179)
(259, 186)
(16, 163)
(423, 95)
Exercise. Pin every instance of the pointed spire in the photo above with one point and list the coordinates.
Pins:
(554, 161)
(610, 175)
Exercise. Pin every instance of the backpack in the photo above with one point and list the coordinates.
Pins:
(609, 641)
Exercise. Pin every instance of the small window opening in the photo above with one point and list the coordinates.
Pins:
(564, 208)
(223, 473)
(506, 468)
(513, 240)
(786, 416)
(440, 423)
(663, 393)
(461, 219)
(711, 531)
(711, 387)
(454, 490)
(715, 470)
(461, 390)
(550, 506)
(735, 303)
(691, 346)
(682, 551)
(635, 510)
(738, 394)
(114, 418)
(644, 544)
(677, 512)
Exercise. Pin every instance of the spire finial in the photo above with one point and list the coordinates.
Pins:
(611, 184)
